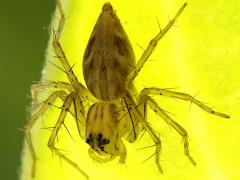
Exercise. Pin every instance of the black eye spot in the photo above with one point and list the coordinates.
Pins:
(102, 148)
(88, 140)
(99, 137)
(105, 141)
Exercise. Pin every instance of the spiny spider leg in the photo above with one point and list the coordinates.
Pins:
(77, 93)
(50, 100)
(62, 19)
(80, 116)
(183, 96)
(48, 85)
(140, 116)
(151, 46)
(61, 56)
(51, 143)
(145, 99)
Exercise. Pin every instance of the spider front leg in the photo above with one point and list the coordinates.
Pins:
(146, 100)
(80, 116)
(48, 85)
(27, 130)
(183, 96)
(51, 143)
(63, 59)
(134, 111)
(123, 153)
(150, 48)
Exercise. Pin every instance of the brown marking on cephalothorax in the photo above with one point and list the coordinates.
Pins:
(96, 114)
(114, 111)
(101, 112)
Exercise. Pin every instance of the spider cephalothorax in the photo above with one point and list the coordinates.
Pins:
(105, 128)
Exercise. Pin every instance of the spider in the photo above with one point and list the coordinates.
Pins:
(116, 113)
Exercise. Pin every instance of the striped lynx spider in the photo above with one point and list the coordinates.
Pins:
(109, 69)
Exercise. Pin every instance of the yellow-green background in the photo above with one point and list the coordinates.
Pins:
(23, 40)
(199, 56)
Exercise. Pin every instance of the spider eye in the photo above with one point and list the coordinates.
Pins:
(105, 141)
(99, 137)
(88, 140)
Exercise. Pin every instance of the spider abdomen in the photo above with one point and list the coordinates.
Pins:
(108, 57)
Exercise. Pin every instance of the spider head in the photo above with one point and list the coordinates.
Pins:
(104, 129)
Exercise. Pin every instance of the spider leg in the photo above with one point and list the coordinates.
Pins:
(27, 130)
(80, 116)
(150, 48)
(51, 143)
(183, 96)
(145, 99)
(123, 153)
(133, 134)
(62, 19)
(48, 85)
(63, 59)
(140, 116)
